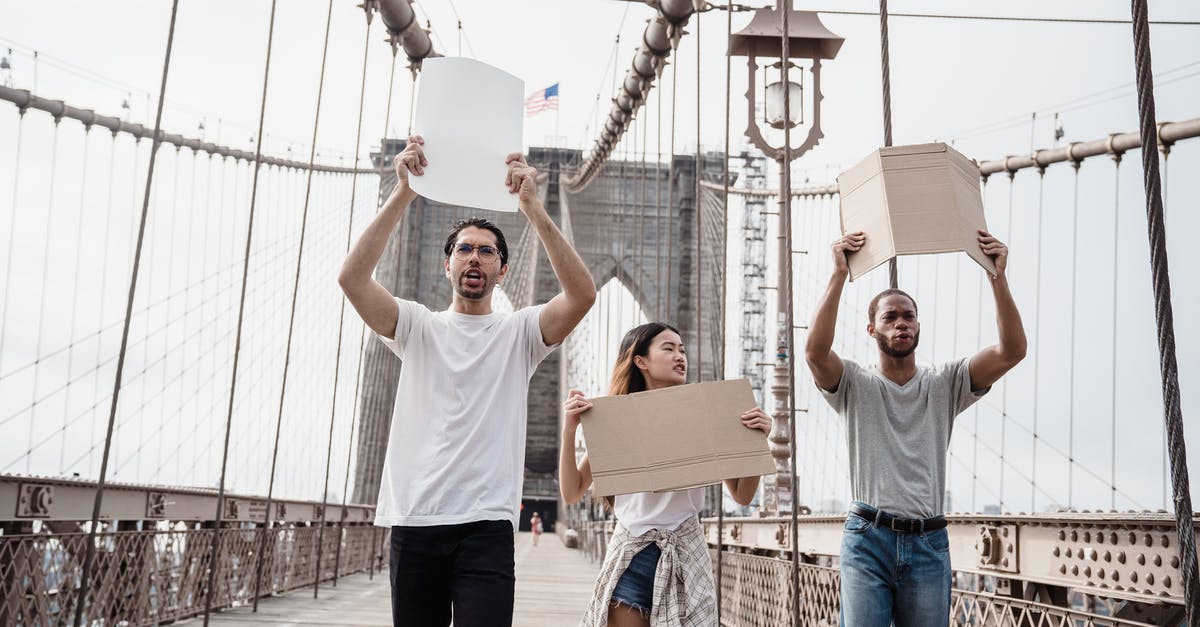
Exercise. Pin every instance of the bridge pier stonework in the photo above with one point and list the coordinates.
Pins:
(622, 228)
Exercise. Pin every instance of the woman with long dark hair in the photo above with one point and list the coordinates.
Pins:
(657, 570)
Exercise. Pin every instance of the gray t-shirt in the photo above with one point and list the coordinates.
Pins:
(898, 434)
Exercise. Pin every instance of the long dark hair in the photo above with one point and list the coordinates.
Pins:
(627, 378)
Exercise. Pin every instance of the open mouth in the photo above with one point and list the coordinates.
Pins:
(681, 370)
(904, 337)
(473, 278)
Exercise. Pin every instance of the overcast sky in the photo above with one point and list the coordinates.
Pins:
(976, 83)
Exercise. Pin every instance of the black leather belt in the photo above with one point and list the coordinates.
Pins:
(903, 525)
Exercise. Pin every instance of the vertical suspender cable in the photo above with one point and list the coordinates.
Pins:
(658, 257)
(337, 361)
(1004, 390)
(724, 280)
(287, 356)
(362, 345)
(1071, 366)
(213, 562)
(1172, 412)
(90, 552)
(1037, 336)
(893, 275)
(667, 311)
(12, 227)
(1112, 482)
(790, 331)
(62, 453)
(33, 407)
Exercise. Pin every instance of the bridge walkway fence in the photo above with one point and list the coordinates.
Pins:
(1077, 569)
(153, 551)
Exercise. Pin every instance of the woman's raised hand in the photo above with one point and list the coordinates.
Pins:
(757, 419)
(575, 405)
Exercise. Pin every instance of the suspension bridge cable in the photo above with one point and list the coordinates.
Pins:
(287, 356)
(1004, 389)
(671, 191)
(1037, 326)
(45, 287)
(975, 416)
(893, 279)
(1071, 367)
(214, 563)
(725, 261)
(1115, 291)
(94, 523)
(108, 211)
(87, 135)
(362, 347)
(337, 361)
(12, 228)
(1173, 413)
(658, 261)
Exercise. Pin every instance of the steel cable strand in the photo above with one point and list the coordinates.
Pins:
(1173, 413)
(214, 564)
(367, 6)
(90, 551)
(269, 518)
(885, 60)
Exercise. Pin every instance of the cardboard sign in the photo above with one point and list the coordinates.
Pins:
(910, 200)
(674, 438)
(471, 116)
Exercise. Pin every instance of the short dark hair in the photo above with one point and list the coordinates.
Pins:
(478, 223)
(874, 306)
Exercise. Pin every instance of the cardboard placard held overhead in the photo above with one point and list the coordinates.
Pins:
(910, 200)
(674, 438)
(471, 116)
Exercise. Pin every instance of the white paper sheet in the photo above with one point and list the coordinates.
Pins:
(470, 115)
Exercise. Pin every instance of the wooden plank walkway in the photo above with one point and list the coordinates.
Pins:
(554, 584)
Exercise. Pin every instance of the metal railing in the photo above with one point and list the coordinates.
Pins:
(152, 567)
(1077, 547)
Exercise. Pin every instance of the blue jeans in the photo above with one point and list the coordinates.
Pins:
(890, 576)
(635, 588)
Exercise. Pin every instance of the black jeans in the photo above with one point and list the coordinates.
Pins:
(468, 567)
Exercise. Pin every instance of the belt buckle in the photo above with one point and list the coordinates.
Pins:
(893, 526)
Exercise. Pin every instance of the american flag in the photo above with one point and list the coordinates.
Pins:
(541, 100)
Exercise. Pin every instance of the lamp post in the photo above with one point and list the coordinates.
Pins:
(807, 39)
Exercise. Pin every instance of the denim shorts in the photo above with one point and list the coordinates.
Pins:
(635, 588)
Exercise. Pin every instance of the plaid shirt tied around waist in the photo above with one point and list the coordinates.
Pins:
(684, 592)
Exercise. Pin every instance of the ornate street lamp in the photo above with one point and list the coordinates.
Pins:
(808, 39)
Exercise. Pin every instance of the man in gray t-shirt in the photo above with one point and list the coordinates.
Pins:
(895, 559)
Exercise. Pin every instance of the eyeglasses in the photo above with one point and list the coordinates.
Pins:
(486, 253)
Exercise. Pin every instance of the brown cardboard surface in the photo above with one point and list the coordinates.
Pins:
(908, 200)
(677, 437)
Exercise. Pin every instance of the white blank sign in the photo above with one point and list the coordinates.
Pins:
(470, 115)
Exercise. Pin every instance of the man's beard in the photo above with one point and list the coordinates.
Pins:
(886, 349)
(473, 293)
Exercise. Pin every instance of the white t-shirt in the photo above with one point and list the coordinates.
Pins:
(456, 451)
(644, 511)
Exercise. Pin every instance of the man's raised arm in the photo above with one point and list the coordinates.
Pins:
(568, 307)
(989, 364)
(370, 299)
(825, 364)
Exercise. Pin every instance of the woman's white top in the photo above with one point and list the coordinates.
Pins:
(644, 511)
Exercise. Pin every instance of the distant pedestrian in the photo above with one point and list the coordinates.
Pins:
(535, 526)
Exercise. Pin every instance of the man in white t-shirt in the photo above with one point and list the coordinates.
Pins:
(451, 485)
(895, 556)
